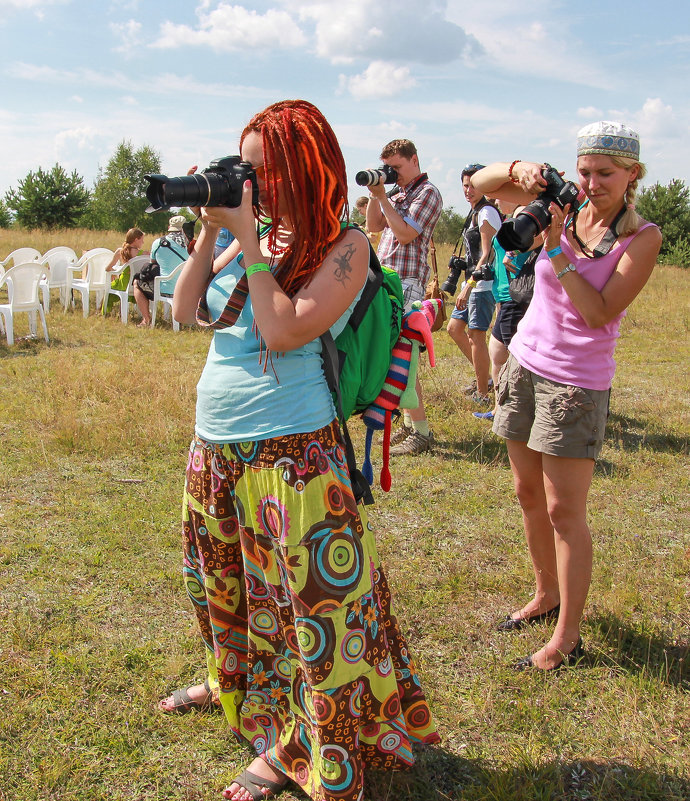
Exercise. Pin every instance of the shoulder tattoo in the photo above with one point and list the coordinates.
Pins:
(343, 267)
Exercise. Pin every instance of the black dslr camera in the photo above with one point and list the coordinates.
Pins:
(518, 232)
(220, 184)
(384, 175)
(457, 266)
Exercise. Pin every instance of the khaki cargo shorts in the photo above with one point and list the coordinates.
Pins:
(557, 419)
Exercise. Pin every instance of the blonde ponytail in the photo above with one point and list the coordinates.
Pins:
(631, 220)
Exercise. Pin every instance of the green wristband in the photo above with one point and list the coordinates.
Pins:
(259, 267)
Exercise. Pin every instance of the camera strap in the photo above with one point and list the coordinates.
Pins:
(607, 241)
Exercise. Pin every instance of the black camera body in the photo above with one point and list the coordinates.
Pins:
(383, 175)
(220, 184)
(457, 266)
(517, 233)
(484, 273)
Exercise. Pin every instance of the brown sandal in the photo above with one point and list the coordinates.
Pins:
(252, 784)
(184, 703)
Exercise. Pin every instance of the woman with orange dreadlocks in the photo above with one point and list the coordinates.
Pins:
(279, 560)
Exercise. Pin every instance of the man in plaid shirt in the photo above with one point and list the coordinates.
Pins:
(407, 218)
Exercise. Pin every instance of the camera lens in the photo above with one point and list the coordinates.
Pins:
(383, 175)
(202, 189)
(369, 177)
(518, 232)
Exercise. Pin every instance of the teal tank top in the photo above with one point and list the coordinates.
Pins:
(237, 400)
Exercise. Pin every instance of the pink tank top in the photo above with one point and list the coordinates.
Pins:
(553, 340)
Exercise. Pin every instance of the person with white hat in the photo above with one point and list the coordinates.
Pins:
(553, 393)
(167, 252)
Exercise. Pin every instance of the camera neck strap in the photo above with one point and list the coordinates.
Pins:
(409, 187)
(238, 297)
(607, 241)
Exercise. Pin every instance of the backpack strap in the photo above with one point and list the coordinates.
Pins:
(164, 242)
(331, 370)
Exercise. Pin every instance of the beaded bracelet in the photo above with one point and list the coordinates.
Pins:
(259, 267)
(510, 172)
(554, 252)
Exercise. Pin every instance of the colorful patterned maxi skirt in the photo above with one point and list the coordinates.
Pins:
(295, 612)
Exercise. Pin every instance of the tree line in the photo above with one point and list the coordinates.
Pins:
(57, 199)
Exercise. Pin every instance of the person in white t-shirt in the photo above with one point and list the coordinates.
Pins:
(474, 306)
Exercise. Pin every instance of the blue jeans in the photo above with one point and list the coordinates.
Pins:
(479, 311)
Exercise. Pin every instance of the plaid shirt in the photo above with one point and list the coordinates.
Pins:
(420, 205)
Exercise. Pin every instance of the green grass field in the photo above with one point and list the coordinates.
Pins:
(95, 625)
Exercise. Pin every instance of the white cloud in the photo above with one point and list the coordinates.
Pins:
(228, 28)
(81, 137)
(590, 113)
(28, 4)
(164, 83)
(512, 45)
(128, 34)
(380, 79)
(387, 30)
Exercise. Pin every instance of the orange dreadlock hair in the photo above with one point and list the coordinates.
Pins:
(303, 161)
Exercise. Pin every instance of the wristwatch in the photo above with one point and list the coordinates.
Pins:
(569, 269)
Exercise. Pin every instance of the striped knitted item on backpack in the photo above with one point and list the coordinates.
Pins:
(396, 380)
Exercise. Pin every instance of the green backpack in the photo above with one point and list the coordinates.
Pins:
(356, 363)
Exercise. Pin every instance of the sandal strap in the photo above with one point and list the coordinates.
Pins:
(182, 700)
(253, 784)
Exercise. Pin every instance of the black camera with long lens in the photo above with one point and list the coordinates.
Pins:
(220, 184)
(456, 268)
(518, 232)
(383, 175)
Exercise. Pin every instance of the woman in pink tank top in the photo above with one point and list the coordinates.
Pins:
(553, 392)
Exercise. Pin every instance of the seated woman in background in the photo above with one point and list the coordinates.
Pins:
(553, 393)
(131, 247)
(167, 253)
(279, 560)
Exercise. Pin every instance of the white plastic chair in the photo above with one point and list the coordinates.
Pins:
(20, 256)
(57, 260)
(96, 279)
(22, 282)
(163, 288)
(123, 295)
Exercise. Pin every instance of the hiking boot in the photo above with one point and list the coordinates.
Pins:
(401, 434)
(414, 444)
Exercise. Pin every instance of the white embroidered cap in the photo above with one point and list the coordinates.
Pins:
(609, 139)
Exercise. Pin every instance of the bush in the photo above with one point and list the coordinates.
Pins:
(119, 194)
(49, 199)
(449, 227)
(668, 207)
(678, 255)
(5, 216)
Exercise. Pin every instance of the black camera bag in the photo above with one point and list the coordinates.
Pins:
(521, 288)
